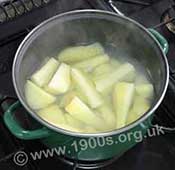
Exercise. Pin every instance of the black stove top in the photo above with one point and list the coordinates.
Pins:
(156, 152)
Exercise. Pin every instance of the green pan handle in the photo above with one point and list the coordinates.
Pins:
(162, 41)
(17, 130)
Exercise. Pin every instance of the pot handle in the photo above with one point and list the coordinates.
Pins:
(17, 130)
(162, 41)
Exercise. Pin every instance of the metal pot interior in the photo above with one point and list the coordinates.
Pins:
(85, 27)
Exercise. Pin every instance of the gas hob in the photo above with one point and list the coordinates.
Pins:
(18, 17)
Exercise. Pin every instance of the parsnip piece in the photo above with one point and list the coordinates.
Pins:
(82, 112)
(145, 90)
(88, 129)
(122, 72)
(130, 78)
(89, 64)
(141, 79)
(132, 116)
(105, 69)
(108, 101)
(79, 53)
(86, 74)
(115, 63)
(42, 76)
(101, 77)
(61, 81)
(80, 94)
(108, 115)
(87, 88)
(79, 126)
(102, 69)
(140, 106)
(122, 100)
(74, 122)
(53, 115)
(70, 128)
(36, 97)
(66, 99)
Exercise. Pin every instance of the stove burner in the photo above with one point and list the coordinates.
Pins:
(113, 4)
(134, 2)
(168, 18)
(87, 164)
(9, 9)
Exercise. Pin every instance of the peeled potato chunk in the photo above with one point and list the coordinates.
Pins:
(79, 53)
(89, 64)
(61, 81)
(119, 74)
(122, 100)
(53, 115)
(140, 106)
(42, 76)
(145, 90)
(36, 97)
(87, 88)
(82, 112)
